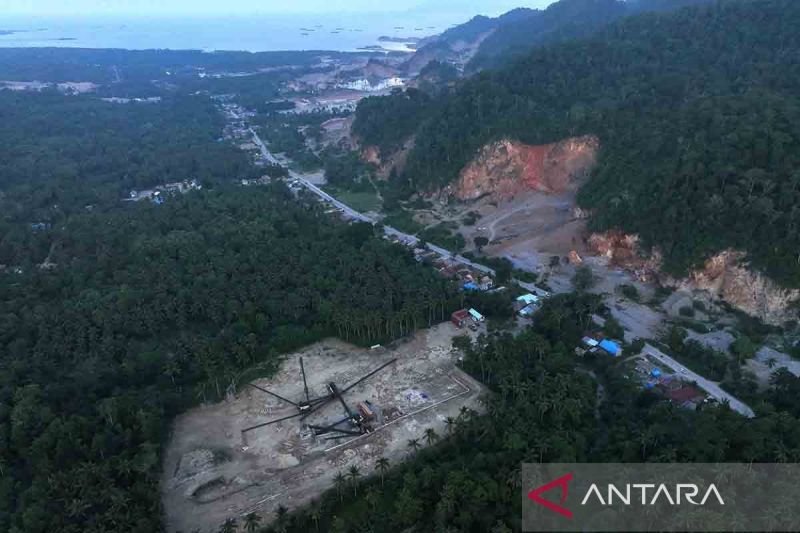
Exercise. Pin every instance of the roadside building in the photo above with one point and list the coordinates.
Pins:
(688, 396)
(448, 271)
(476, 316)
(459, 318)
(527, 311)
(589, 342)
(528, 299)
(610, 347)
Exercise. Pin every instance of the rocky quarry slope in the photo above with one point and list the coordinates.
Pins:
(725, 276)
(506, 168)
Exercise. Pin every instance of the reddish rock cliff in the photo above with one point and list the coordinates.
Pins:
(725, 276)
(505, 168)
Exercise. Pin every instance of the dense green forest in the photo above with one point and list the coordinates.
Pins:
(151, 308)
(546, 405)
(388, 121)
(562, 20)
(61, 153)
(697, 112)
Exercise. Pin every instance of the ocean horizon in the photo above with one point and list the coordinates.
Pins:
(256, 33)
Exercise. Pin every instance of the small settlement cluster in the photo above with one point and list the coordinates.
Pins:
(671, 386)
(468, 279)
(160, 193)
(652, 375)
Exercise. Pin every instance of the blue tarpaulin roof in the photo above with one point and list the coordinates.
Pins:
(470, 286)
(610, 347)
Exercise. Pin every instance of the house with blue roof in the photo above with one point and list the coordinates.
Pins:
(610, 347)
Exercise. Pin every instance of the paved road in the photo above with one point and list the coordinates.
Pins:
(263, 147)
(352, 213)
(709, 386)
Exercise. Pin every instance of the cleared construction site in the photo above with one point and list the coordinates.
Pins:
(281, 441)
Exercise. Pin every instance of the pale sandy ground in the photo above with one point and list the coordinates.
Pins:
(212, 471)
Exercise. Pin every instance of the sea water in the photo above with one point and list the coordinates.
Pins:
(252, 33)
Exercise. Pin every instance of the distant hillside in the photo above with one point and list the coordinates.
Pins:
(459, 43)
(485, 42)
(478, 25)
(481, 43)
(562, 20)
(698, 115)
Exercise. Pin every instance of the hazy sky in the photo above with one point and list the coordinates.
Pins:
(186, 7)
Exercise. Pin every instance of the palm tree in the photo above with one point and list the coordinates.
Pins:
(340, 481)
(172, 369)
(413, 444)
(771, 362)
(316, 514)
(251, 522)
(450, 423)
(431, 436)
(373, 497)
(382, 465)
(354, 473)
(229, 526)
(280, 518)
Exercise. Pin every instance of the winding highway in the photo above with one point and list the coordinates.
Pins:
(352, 213)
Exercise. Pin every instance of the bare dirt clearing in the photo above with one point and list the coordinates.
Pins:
(212, 471)
(527, 229)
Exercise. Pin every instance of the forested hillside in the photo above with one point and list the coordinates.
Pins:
(697, 113)
(478, 26)
(562, 20)
(387, 121)
(152, 308)
(546, 405)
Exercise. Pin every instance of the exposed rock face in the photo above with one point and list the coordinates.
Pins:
(724, 276)
(727, 276)
(371, 154)
(505, 168)
(623, 251)
(386, 163)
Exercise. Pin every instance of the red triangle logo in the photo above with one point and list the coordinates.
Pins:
(563, 483)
